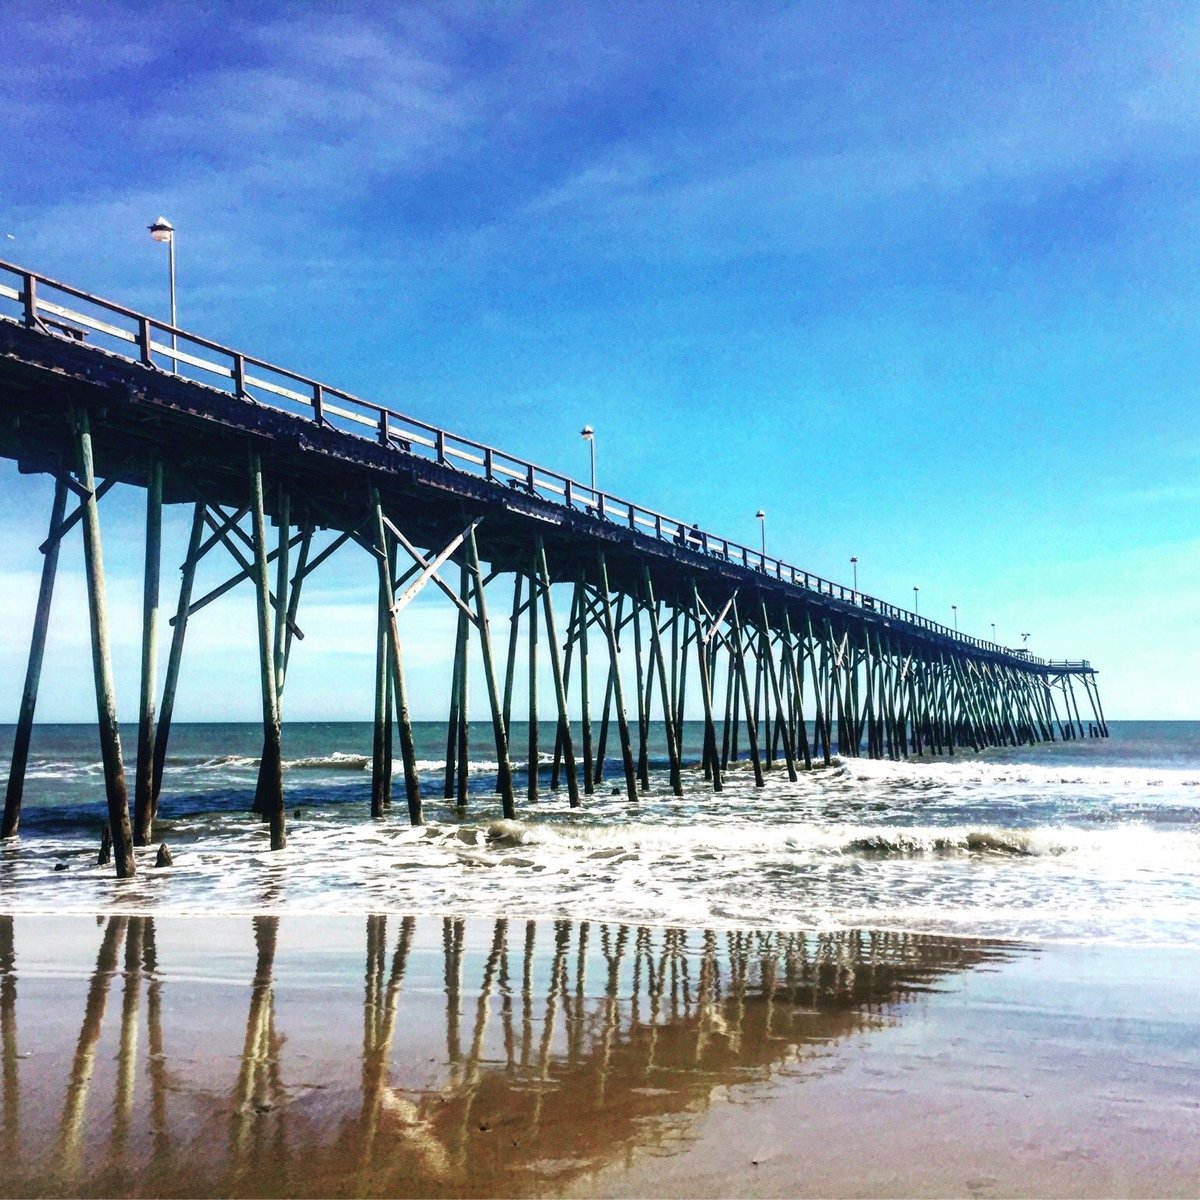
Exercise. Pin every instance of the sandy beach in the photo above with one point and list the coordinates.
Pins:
(424, 1056)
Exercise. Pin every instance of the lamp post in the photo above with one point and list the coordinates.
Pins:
(994, 632)
(916, 601)
(854, 568)
(163, 231)
(762, 525)
(954, 609)
(589, 435)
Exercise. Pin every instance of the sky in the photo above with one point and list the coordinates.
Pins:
(921, 281)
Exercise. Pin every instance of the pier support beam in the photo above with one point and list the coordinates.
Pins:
(560, 686)
(504, 781)
(106, 697)
(33, 672)
(615, 678)
(408, 749)
(175, 658)
(269, 795)
(143, 787)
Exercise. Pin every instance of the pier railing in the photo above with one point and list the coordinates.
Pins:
(64, 311)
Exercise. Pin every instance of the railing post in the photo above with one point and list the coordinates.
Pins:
(383, 428)
(144, 341)
(29, 284)
(632, 517)
(567, 498)
(530, 481)
(239, 374)
(440, 442)
(318, 403)
(487, 467)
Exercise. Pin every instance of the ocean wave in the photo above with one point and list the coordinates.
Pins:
(974, 773)
(337, 761)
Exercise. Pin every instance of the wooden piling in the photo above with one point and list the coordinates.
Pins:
(618, 692)
(462, 749)
(710, 732)
(744, 683)
(106, 698)
(560, 687)
(269, 797)
(664, 698)
(500, 732)
(408, 749)
(166, 709)
(33, 671)
(532, 739)
(143, 787)
(379, 766)
(789, 751)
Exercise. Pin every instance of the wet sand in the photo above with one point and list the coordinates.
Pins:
(421, 1056)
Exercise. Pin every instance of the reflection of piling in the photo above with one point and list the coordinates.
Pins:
(453, 932)
(71, 1124)
(258, 1087)
(379, 1026)
(8, 1038)
(156, 1064)
(671, 1017)
(127, 1047)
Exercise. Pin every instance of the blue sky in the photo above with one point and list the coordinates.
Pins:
(920, 280)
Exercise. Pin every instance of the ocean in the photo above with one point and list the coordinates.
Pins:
(1084, 841)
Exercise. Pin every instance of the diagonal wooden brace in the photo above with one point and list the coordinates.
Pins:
(429, 568)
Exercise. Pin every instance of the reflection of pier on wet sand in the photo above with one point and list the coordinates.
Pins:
(502, 1058)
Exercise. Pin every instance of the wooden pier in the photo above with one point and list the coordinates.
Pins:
(791, 669)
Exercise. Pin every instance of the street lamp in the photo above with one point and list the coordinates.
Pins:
(589, 435)
(954, 607)
(163, 231)
(854, 567)
(993, 631)
(1025, 638)
(762, 522)
(916, 601)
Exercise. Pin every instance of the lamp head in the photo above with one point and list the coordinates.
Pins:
(587, 433)
(762, 516)
(162, 230)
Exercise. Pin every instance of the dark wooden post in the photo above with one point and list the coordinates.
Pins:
(143, 787)
(514, 625)
(462, 742)
(106, 698)
(379, 765)
(408, 749)
(560, 687)
(584, 697)
(532, 741)
(175, 658)
(710, 732)
(643, 716)
(504, 780)
(33, 671)
(269, 798)
(789, 751)
(664, 697)
(618, 693)
(751, 708)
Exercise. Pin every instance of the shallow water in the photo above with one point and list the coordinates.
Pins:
(1085, 841)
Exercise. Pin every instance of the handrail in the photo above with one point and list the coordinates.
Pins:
(333, 407)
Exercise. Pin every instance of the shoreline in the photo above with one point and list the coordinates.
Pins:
(283, 1054)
